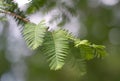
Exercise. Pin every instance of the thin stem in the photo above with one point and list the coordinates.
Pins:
(13, 14)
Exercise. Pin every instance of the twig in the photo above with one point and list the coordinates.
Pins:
(13, 14)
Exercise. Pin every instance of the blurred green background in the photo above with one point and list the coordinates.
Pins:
(99, 23)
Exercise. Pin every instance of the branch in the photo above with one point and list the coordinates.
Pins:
(13, 14)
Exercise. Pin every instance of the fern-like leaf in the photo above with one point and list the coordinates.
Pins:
(78, 66)
(56, 48)
(89, 51)
(34, 34)
(99, 50)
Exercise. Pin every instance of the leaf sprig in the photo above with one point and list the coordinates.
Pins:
(55, 44)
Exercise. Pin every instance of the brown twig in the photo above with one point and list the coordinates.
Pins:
(13, 14)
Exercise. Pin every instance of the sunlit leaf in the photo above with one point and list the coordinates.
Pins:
(34, 34)
(56, 49)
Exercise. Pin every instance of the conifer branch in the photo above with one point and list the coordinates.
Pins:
(15, 15)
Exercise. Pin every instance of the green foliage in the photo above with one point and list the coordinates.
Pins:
(56, 48)
(44, 5)
(75, 62)
(12, 9)
(77, 65)
(90, 51)
(54, 44)
(34, 34)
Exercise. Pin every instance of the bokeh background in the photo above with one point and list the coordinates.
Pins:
(95, 20)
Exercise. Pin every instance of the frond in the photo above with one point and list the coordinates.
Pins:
(34, 34)
(77, 66)
(89, 51)
(74, 62)
(35, 5)
(86, 52)
(99, 51)
(56, 48)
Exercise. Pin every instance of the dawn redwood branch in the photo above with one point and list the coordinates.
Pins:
(13, 14)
